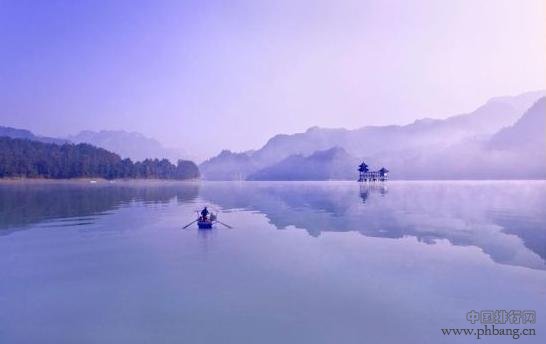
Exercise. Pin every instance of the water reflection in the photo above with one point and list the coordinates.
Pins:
(367, 188)
(136, 276)
(507, 220)
(79, 203)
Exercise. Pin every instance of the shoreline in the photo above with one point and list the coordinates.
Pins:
(93, 181)
(102, 181)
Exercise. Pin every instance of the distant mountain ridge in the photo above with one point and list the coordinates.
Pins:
(331, 164)
(528, 132)
(407, 147)
(229, 166)
(514, 152)
(15, 133)
(486, 120)
(131, 145)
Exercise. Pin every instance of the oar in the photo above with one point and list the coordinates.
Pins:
(228, 226)
(189, 224)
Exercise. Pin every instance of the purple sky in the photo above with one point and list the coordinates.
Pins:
(207, 75)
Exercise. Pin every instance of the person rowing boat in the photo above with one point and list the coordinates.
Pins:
(205, 220)
(204, 213)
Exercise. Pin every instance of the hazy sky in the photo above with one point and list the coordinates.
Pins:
(207, 75)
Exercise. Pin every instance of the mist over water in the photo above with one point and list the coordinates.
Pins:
(120, 121)
(322, 262)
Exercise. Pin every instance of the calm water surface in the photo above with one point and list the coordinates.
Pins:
(305, 262)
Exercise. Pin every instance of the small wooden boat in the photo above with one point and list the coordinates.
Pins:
(204, 223)
(207, 222)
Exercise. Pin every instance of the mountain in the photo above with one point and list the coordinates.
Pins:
(529, 132)
(28, 135)
(407, 146)
(229, 166)
(128, 144)
(331, 164)
(514, 152)
(486, 120)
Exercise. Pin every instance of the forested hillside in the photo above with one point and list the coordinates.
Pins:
(30, 159)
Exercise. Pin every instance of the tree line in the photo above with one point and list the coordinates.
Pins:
(33, 159)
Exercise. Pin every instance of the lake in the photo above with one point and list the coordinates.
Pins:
(309, 262)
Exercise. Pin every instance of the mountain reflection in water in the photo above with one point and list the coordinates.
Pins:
(507, 220)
